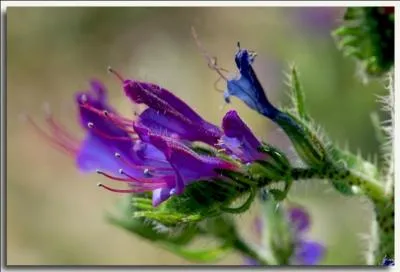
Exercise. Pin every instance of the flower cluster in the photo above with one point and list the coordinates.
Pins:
(152, 152)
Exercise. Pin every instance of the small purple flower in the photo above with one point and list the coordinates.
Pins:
(136, 153)
(239, 140)
(247, 87)
(306, 252)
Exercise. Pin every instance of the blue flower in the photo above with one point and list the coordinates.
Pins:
(247, 87)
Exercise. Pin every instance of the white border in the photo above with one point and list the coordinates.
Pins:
(192, 3)
(5, 4)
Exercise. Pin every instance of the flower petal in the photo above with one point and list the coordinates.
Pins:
(163, 125)
(309, 253)
(187, 164)
(160, 195)
(247, 87)
(171, 113)
(239, 139)
(299, 219)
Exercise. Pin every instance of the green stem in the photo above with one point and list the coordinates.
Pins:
(372, 189)
(245, 249)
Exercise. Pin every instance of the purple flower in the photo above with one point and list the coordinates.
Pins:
(247, 87)
(306, 251)
(136, 153)
(186, 165)
(168, 114)
(239, 140)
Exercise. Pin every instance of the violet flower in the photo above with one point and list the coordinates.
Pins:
(306, 251)
(129, 152)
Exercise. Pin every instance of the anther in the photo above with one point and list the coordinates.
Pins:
(84, 98)
(90, 125)
(117, 155)
(147, 173)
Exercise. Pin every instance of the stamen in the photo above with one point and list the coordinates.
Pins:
(112, 177)
(104, 135)
(135, 166)
(60, 132)
(119, 121)
(131, 179)
(56, 142)
(122, 172)
(111, 70)
(118, 190)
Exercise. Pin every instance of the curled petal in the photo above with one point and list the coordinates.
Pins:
(239, 139)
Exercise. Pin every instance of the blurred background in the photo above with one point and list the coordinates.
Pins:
(55, 215)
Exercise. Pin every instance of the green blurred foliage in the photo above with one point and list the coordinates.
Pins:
(56, 216)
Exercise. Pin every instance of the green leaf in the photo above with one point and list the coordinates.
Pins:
(211, 255)
(298, 95)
